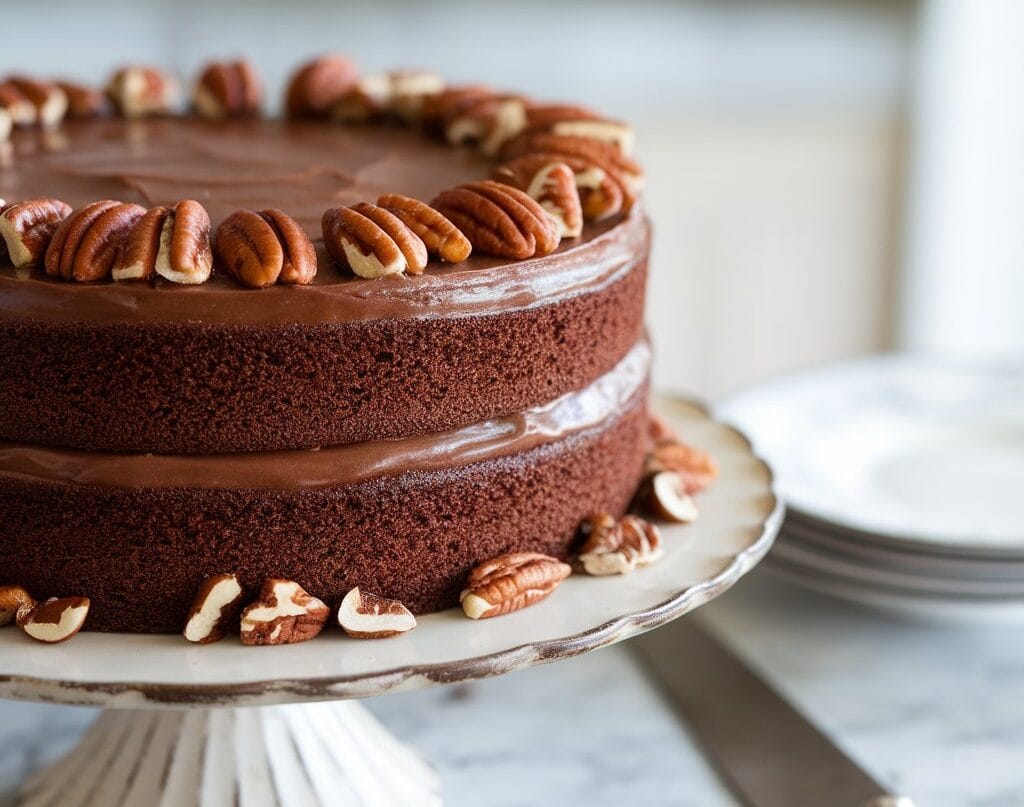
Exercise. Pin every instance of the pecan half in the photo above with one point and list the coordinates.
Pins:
(499, 219)
(437, 108)
(577, 121)
(228, 90)
(19, 108)
(317, 85)
(138, 92)
(88, 243)
(510, 582)
(372, 241)
(697, 468)
(409, 88)
(214, 610)
(55, 620)
(83, 101)
(48, 100)
(260, 248)
(285, 613)
(366, 616)
(552, 184)
(605, 156)
(368, 99)
(489, 123)
(27, 227)
(664, 494)
(172, 242)
(441, 238)
(12, 600)
(618, 547)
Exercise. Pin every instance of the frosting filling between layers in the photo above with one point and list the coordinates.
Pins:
(325, 467)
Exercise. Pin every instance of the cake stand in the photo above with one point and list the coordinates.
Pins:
(225, 724)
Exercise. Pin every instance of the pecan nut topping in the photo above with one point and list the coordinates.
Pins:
(20, 110)
(367, 100)
(228, 90)
(601, 193)
(552, 184)
(83, 101)
(438, 108)
(366, 616)
(409, 88)
(55, 620)
(27, 227)
(618, 547)
(172, 242)
(441, 238)
(12, 600)
(48, 101)
(260, 248)
(89, 242)
(138, 92)
(489, 123)
(317, 85)
(285, 613)
(510, 582)
(214, 610)
(664, 494)
(575, 121)
(372, 241)
(499, 220)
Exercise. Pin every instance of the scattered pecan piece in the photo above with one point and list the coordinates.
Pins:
(88, 243)
(660, 430)
(20, 110)
(285, 613)
(489, 122)
(372, 241)
(27, 227)
(214, 610)
(260, 248)
(618, 547)
(228, 90)
(172, 242)
(552, 184)
(83, 101)
(12, 600)
(317, 85)
(510, 582)
(441, 238)
(366, 616)
(499, 219)
(138, 92)
(48, 100)
(697, 468)
(55, 620)
(664, 494)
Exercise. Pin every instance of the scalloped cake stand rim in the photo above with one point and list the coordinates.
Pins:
(730, 446)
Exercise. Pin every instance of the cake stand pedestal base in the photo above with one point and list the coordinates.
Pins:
(305, 754)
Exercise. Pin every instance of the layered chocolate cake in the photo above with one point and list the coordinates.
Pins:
(387, 432)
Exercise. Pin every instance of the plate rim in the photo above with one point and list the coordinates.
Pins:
(138, 694)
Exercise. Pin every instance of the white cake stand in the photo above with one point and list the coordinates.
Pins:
(224, 724)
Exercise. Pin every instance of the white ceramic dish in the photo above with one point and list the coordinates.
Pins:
(906, 448)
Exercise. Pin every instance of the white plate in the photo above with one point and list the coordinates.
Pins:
(902, 446)
(739, 518)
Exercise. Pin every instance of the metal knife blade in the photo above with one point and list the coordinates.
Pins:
(766, 751)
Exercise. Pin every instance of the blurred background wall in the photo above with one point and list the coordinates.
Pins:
(773, 134)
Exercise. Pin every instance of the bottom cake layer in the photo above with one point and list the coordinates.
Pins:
(139, 552)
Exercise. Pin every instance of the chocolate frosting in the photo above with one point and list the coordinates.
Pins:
(325, 467)
(302, 169)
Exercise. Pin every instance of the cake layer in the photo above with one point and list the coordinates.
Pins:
(133, 367)
(404, 519)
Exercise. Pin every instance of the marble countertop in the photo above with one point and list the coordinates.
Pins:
(935, 711)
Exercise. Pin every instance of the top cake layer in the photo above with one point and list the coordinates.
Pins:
(166, 368)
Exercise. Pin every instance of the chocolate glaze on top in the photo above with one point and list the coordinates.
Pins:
(302, 169)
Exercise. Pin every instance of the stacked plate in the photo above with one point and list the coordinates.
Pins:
(904, 481)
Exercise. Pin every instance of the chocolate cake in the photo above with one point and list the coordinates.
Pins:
(388, 432)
